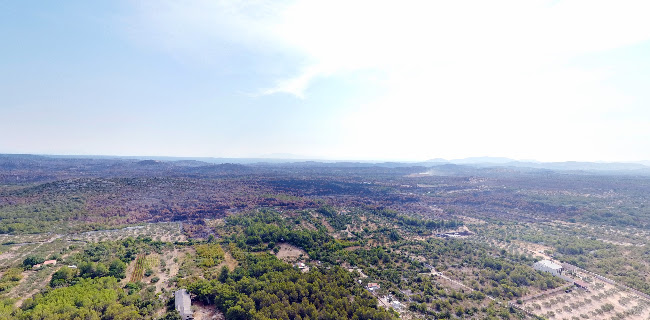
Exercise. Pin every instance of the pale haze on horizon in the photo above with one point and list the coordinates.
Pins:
(348, 80)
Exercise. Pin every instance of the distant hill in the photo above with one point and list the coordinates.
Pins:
(475, 160)
(640, 167)
(130, 163)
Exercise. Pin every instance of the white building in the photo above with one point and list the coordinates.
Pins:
(548, 266)
(373, 286)
(183, 304)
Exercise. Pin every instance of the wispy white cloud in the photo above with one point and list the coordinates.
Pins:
(205, 29)
(403, 38)
(427, 37)
(297, 85)
(484, 71)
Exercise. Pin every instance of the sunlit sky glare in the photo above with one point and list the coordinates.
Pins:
(347, 80)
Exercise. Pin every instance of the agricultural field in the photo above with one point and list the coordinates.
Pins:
(15, 248)
(602, 301)
(164, 231)
(31, 283)
(14, 254)
(168, 267)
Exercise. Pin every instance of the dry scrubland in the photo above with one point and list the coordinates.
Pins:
(203, 227)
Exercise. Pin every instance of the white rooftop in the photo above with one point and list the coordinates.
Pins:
(183, 304)
(550, 264)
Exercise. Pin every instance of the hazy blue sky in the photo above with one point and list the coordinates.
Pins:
(545, 80)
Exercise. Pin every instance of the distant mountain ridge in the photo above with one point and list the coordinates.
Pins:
(642, 167)
(26, 160)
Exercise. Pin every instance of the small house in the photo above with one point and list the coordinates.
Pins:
(581, 284)
(183, 303)
(548, 266)
(49, 262)
(372, 286)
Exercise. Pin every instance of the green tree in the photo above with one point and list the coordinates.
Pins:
(63, 277)
(237, 313)
(172, 315)
(31, 261)
(100, 270)
(223, 275)
(117, 269)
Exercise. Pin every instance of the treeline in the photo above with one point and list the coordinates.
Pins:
(429, 224)
(66, 276)
(416, 222)
(270, 228)
(125, 250)
(40, 216)
(264, 287)
(101, 298)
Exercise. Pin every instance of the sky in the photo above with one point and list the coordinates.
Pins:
(336, 80)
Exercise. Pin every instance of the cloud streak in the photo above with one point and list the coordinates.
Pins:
(400, 38)
(500, 75)
(426, 37)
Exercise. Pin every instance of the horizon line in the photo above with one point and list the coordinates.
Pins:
(298, 158)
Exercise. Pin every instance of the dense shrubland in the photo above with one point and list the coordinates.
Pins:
(263, 287)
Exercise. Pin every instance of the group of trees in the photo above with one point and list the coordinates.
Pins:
(428, 224)
(210, 254)
(600, 249)
(66, 275)
(39, 216)
(100, 298)
(92, 289)
(390, 263)
(10, 278)
(268, 226)
(494, 273)
(264, 287)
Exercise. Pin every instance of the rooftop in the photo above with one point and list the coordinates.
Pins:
(550, 264)
(183, 304)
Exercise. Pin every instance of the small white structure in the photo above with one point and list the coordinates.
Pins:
(373, 286)
(40, 265)
(548, 266)
(48, 262)
(302, 267)
(183, 304)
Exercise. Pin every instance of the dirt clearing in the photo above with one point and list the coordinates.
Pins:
(289, 253)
